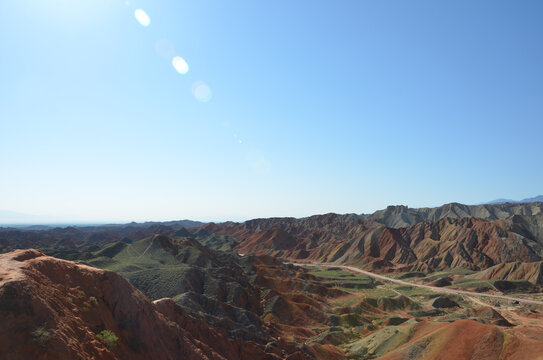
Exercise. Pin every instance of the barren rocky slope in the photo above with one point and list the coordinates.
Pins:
(56, 309)
(401, 216)
(470, 243)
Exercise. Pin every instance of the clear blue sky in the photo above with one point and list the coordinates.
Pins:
(316, 106)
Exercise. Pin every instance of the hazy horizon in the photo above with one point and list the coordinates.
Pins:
(22, 219)
(141, 110)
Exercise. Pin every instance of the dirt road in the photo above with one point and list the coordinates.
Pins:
(433, 288)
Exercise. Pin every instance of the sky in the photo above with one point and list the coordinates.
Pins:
(115, 110)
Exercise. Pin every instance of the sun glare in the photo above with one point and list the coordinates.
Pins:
(142, 17)
(180, 65)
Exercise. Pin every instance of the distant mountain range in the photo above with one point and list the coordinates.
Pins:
(37, 222)
(426, 239)
(527, 200)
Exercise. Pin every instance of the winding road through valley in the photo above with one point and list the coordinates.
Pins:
(433, 288)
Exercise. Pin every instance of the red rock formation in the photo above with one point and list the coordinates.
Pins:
(54, 309)
(532, 272)
(448, 243)
(468, 339)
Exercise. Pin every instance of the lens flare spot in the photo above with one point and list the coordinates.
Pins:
(201, 91)
(142, 17)
(180, 65)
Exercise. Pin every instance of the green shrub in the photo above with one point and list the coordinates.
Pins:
(109, 338)
(41, 335)
(93, 301)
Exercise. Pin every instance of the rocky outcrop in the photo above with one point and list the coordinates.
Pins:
(462, 339)
(403, 216)
(530, 271)
(56, 309)
(428, 246)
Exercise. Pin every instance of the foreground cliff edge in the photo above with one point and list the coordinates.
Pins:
(57, 309)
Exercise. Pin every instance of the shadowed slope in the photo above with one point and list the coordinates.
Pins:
(52, 308)
(255, 298)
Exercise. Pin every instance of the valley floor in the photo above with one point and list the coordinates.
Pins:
(433, 288)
